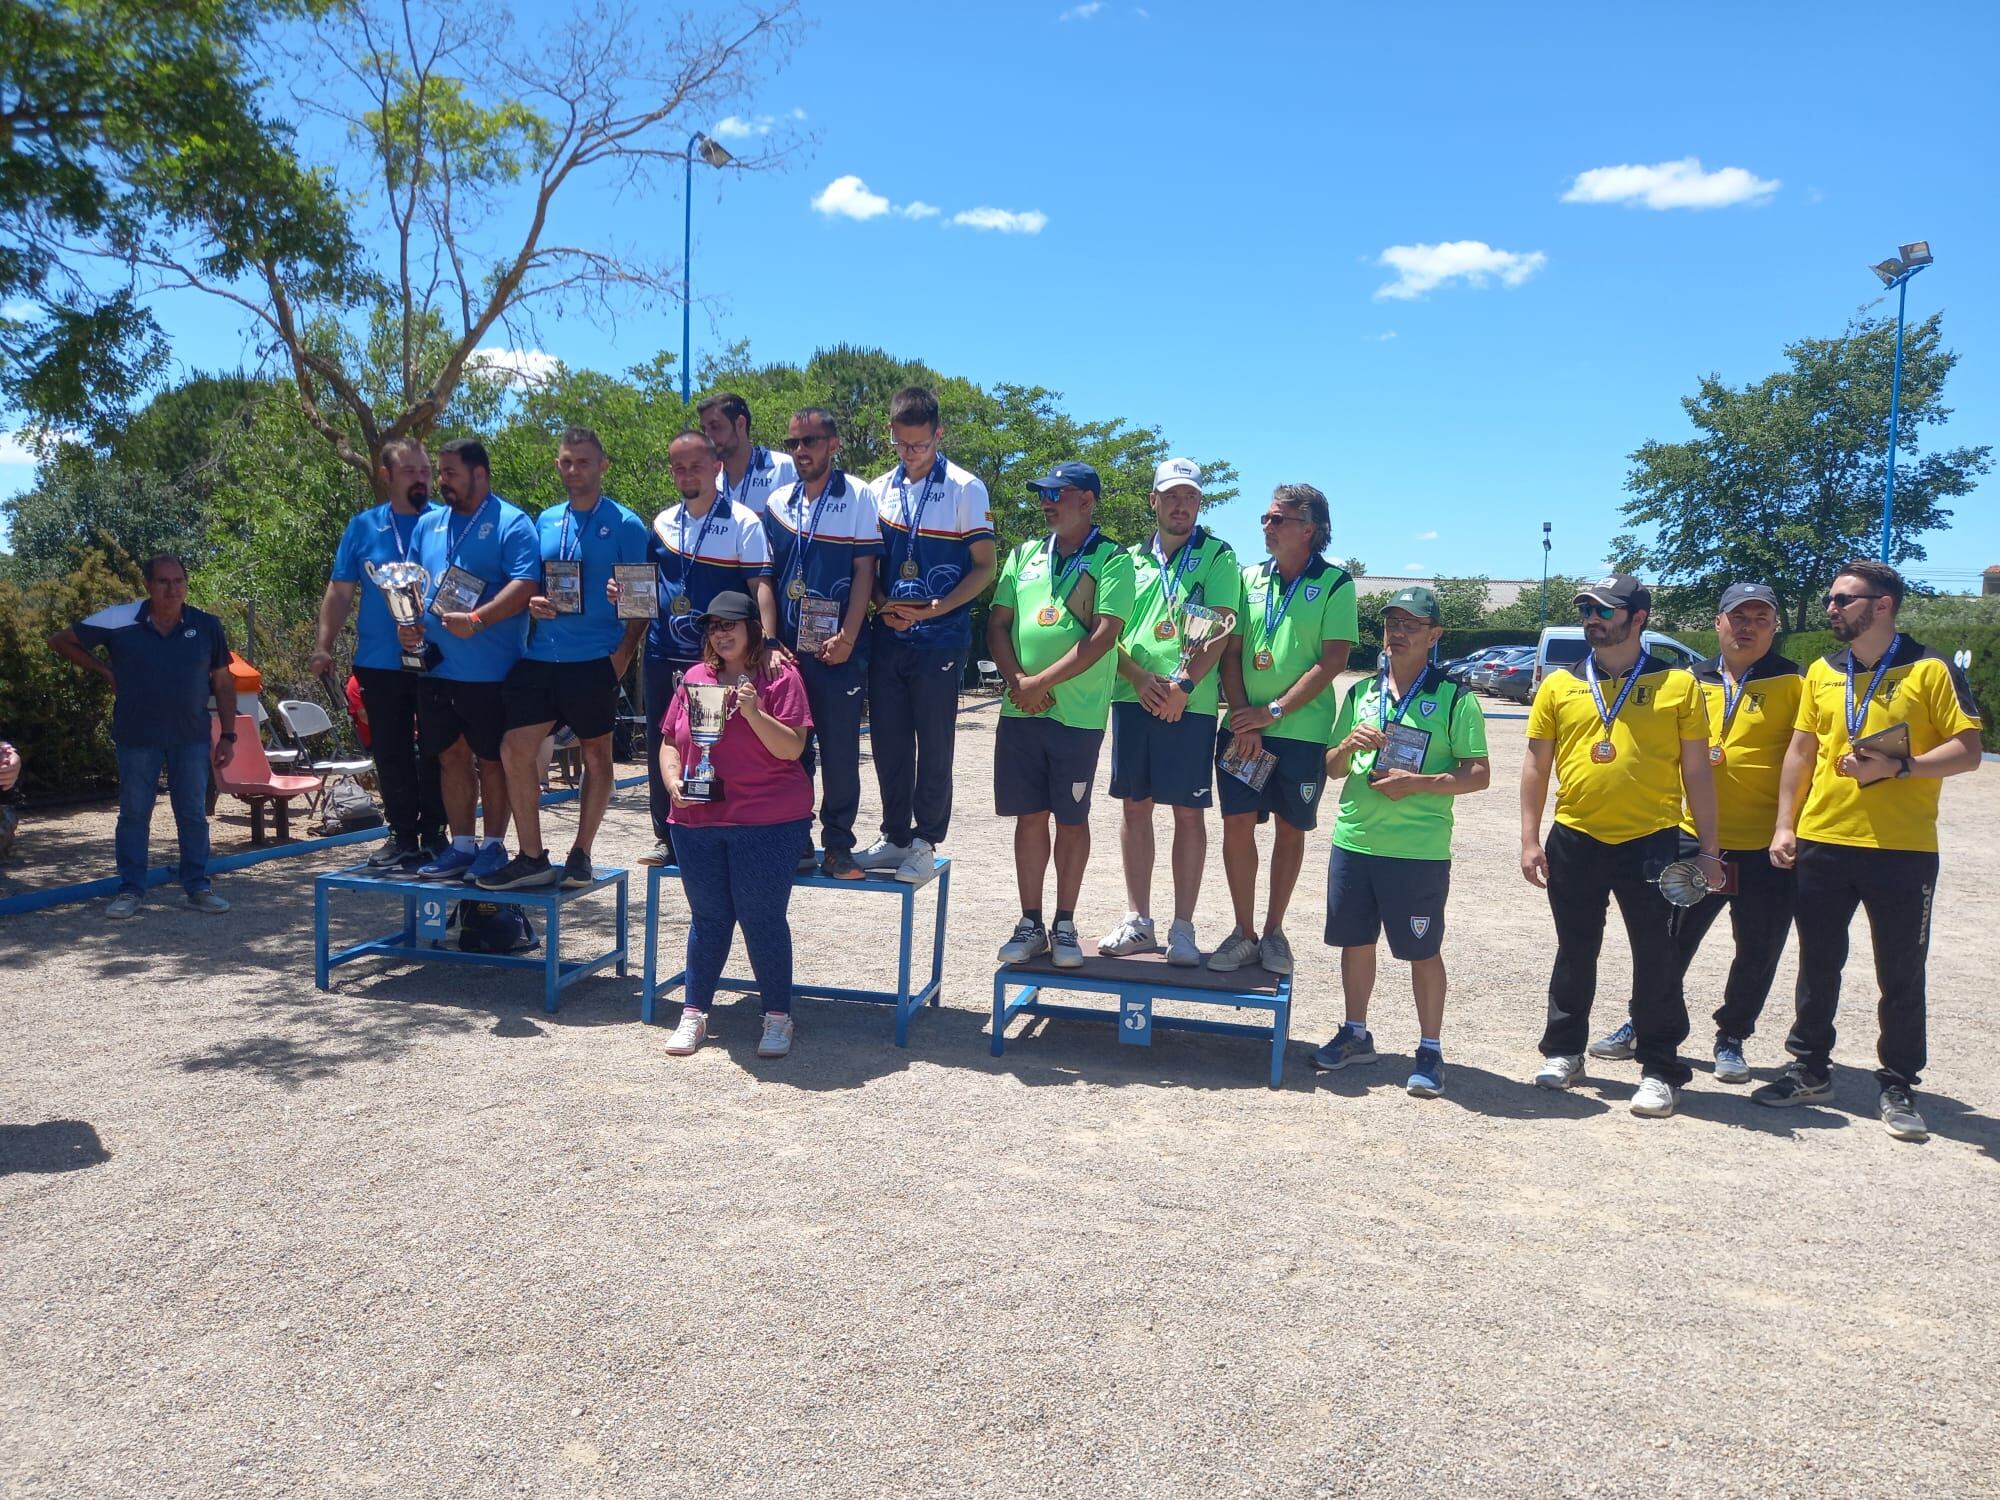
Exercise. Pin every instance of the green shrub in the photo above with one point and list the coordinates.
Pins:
(58, 715)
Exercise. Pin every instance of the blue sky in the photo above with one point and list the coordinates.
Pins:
(1215, 197)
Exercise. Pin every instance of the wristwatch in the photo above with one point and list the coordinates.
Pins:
(1185, 684)
(1903, 768)
(227, 734)
(1276, 709)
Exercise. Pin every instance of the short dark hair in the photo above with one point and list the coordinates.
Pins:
(397, 448)
(1878, 576)
(733, 406)
(578, 437)
(699, 436)
(1310, 503)
(164, 557)
(470, 452)
(820, 415)
(914, 406)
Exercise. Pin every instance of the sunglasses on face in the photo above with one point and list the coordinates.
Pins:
(1596, 611)
(793, 444)
(1275, 518)
(1841, 601)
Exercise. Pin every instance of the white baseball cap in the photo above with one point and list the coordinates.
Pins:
(1177, 471)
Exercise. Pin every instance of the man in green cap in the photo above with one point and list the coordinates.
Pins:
(1408, 742)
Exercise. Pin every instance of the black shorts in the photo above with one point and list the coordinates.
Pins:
(1154, 761)
(581, 694)
(1042, 766)
(1293, 790)
(447, 710)
(1366, 893)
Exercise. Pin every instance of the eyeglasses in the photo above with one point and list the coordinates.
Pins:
(1841, 601)
(1276, 518)
(921, 447)
(793, 444)
(1596, 611)
(715, 625)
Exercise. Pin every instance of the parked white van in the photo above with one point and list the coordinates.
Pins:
(1564, 646)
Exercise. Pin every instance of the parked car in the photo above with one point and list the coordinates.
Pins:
(1456, 669)
(1513, 678)
(1480, 678)
(1564, 646)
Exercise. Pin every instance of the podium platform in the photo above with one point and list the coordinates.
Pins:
(1136, 982)
(427, 908)
(881, 883)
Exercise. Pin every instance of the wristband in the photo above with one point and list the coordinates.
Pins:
(1185, 684)
(477, 623)
(227, 735)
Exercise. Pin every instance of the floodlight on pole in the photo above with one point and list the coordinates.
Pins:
(1909, 260)
(1545, 572)
(715, 154)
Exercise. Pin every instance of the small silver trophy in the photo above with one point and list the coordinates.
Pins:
(1199, 626)
(403, 586)
(709, 705)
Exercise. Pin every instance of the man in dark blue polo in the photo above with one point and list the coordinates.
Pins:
(162, 657)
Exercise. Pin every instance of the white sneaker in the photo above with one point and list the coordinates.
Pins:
(881, 855)
(1235, 952)
(1655, 1098)
(690, 1034)
(777, 1038)
(1182, 951)
(1030, 940)
(918, 863)
(1559, 1072)
(1065, 949)
(1133, 935)
(123, 905)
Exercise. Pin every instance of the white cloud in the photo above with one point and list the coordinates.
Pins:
(1427, 536)
(1380, 338)
(1419, 268)
(737, 128)
(19, 312)
(848, 198)
(1034, 221)
(518, 367)
(918, 209)
(1671, 184)
(12, 452)
(1082, 12)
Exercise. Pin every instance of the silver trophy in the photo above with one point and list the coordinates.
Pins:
(1684, 885)
(1199, 626)
(709, 705)
(403, 586)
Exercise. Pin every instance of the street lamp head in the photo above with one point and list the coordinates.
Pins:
(712, 151)
(1888, 271)
(1916, 253)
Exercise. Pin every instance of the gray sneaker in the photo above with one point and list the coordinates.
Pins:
(1730, 1065)
(1275, 953)
(1236, 952)
(660, 854)
(207, 903)
(1559, 1072)
(1065, 948)
(1182, 950)
(1655, 1098)
(1030, 940)
(1133, 935)
(881, 855)
(123, 905)
(1899, 1115)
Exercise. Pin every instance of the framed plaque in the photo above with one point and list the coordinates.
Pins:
(457, 592)
(1892, 743)
(563, 584)
(819, 622)
(638, 590)
(1252, 770)
(1407, 745)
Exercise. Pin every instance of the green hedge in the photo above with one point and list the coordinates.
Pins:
(59, 715)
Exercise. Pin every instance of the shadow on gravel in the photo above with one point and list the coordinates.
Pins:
(51, 1146)
(1477, 1091)
(1063, 1050)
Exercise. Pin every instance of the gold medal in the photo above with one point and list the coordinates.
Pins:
(682, 604)
(1262, 661)
(1164, 631)
(1715, 756)
(1604, 752)
(910, 568)
(796, 589)
(1048, 614)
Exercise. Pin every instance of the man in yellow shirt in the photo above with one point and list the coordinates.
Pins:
(1628, 739)
(1753, 697)
(1883, 720)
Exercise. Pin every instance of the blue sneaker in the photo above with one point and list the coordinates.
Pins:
(1350, 1044)
(1621, 1046)
(451, 864)
(490, 860)
(1427, 1076)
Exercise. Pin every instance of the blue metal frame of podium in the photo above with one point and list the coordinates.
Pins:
(427, 908)
(1136, 983)
(906, 1001)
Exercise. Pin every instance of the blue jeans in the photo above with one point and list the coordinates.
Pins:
(139, 788)
(739, 875)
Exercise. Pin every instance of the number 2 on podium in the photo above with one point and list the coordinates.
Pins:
(430, 918)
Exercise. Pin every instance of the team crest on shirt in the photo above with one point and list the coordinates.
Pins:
(1419, 926)
(1426, 709)
(1889, 686)
(1312, 592)
(1756, 703)
(1640, 696)
(485, 531)
(1308, 790)
(1077, 789)
(604, 531)
(188, 634)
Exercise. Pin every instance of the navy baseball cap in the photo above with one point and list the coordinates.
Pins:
(1069, 476)
(1618, 591)
(1747, 593)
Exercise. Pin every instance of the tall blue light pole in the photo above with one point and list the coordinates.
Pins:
(716, 155)
(1896, 272)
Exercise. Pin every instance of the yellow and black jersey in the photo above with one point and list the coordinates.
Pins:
(1634, 788)
(1748, 732)
(1918, 688)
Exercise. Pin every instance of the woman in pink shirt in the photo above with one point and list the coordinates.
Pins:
(738, 851)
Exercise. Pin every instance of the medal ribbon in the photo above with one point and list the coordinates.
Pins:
(1856, 720)
(931, 481)
(403, 543)
(688, 559)
(798, 568)
(1171, 577)
(760, 460)
(1730, 703)
(1271, 621)
(451, 555)
(1388, 708)
(562, 540)
(1059, 587)
(1597, 693)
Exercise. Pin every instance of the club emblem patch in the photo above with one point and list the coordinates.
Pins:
(485, 531)
(1077, 789)
(1428, 707)
(1308, 790)
(1419, 926)
(1312, 592)
(1639, 698)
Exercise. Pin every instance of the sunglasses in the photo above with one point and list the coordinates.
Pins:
(1841, 601)
(793, 444)
(1275, 518)
(1596, 611)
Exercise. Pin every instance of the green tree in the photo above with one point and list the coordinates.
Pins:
(1784, 479)
(1525, 613)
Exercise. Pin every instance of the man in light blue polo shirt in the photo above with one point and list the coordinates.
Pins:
(412, 805)
(485, 564)
(577, 653)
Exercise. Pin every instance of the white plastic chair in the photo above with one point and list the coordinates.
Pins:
(989, 676)
(305, 722)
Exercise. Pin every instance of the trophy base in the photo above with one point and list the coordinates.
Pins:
(706, 790)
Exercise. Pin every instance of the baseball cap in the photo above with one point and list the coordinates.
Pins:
(1069, 476)
(1619, 591)
(1420, 602)
(1747, 593)
(1177, 471)
(730, 605)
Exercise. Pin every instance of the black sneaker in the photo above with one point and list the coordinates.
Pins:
(1899, 1114)
(520, 872)
(1798, 1084)
(839, 865)
(392, 852)
(809, 859)
(577, 870)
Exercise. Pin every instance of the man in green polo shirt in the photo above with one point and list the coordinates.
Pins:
(1277, 678)
(1163, 706)
(1408, 742)
(1058, 610)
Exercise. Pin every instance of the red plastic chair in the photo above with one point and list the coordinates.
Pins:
(250, 777)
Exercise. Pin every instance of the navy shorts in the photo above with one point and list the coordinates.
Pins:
(1293, 790)
(1366, 893)
(581, 694)
(1154, 761)
(448, 710)
(1042, 766)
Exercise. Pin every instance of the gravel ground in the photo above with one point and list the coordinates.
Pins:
(415, 1237)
